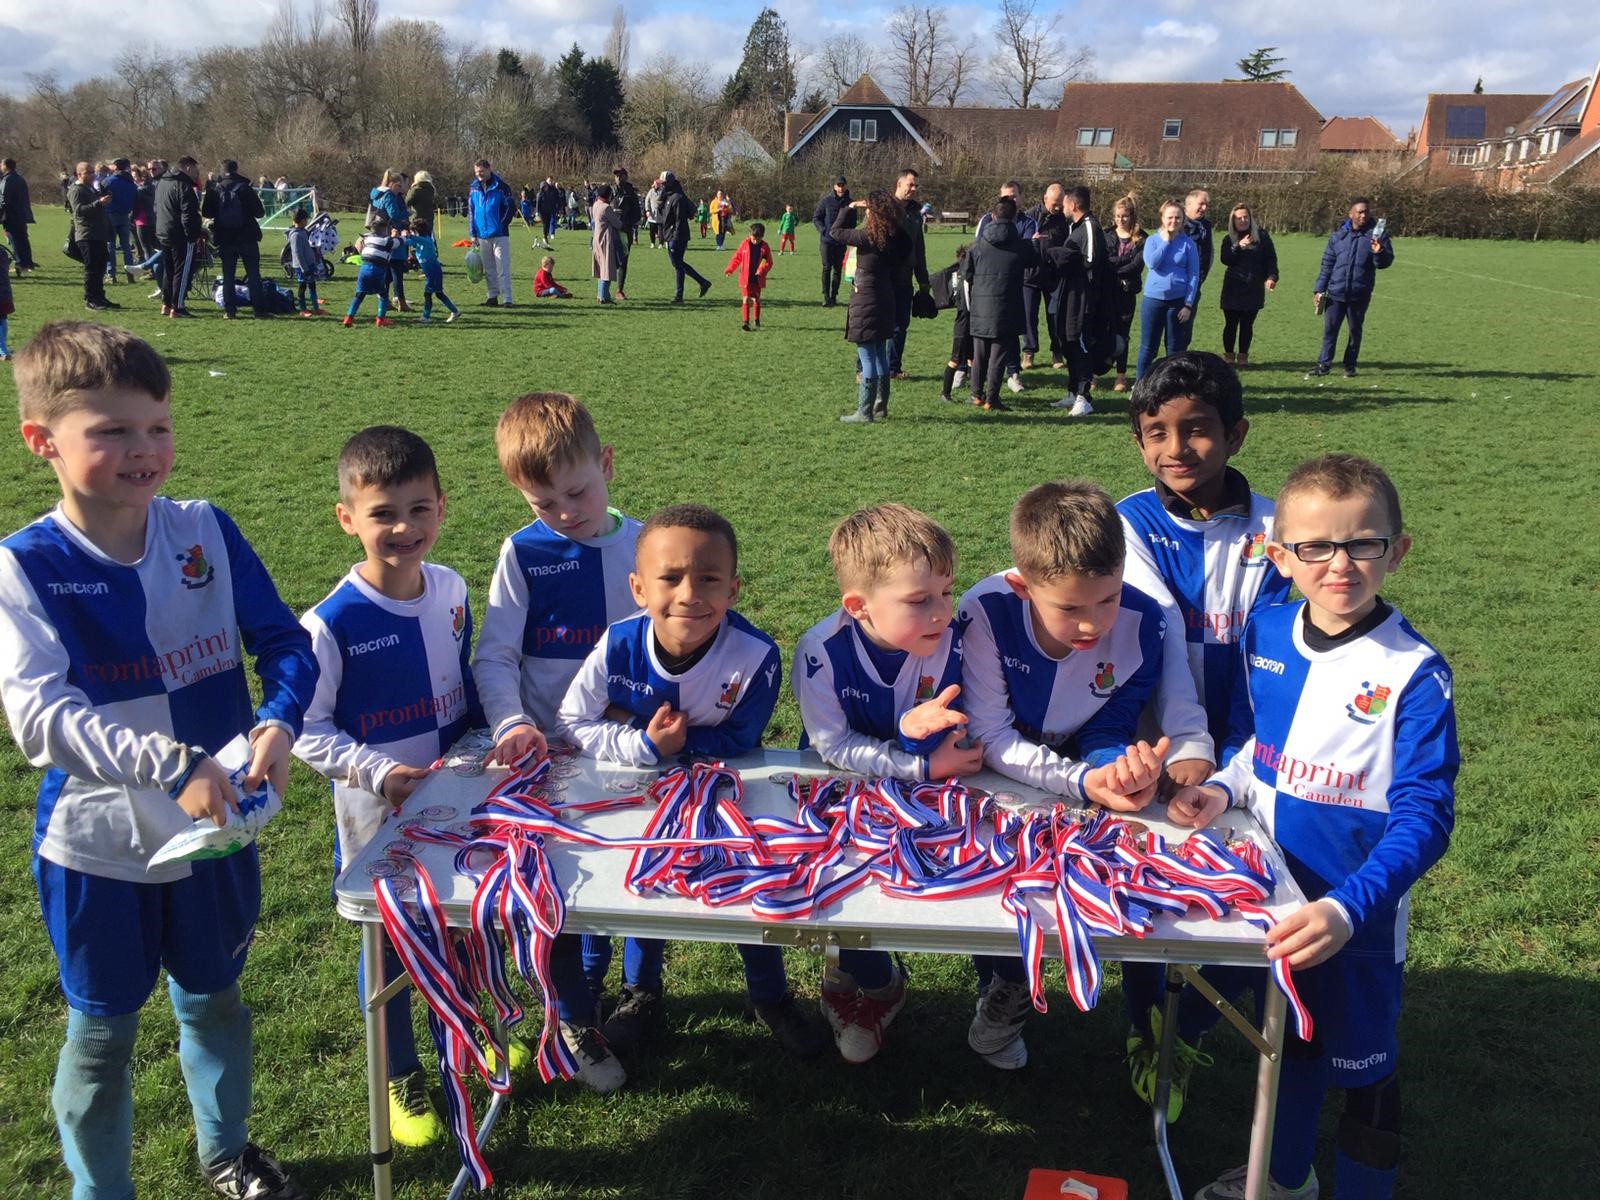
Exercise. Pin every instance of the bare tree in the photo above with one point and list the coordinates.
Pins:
(843, 59)
(360, 21)
(919, 47)
(1032, 52)
(958, 75)
(618, 41)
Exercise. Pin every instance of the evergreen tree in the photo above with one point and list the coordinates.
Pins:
(509, 63)
(765, 83)
(594, 87)
(1477, 88)
(1261, 66)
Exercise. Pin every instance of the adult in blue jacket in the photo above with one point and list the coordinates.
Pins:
(1171, 288)
(119, 185)
(491, 207)
(1350, 263)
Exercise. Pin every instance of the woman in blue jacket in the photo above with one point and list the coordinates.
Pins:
(1171, 286)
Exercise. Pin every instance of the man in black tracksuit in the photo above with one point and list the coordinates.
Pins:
(915, 267)
(822, 219)
(234, 209)
(16, 214)
(631, 209)
(178, 228)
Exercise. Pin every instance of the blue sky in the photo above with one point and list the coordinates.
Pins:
(1378, 60)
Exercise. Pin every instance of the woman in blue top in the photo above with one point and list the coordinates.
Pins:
(1171, 285)
(389, 198)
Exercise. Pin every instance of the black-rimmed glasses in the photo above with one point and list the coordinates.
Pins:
(1357, 549)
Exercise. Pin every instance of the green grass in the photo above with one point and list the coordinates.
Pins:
(1477, 392)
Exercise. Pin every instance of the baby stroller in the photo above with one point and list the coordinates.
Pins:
(324, 231)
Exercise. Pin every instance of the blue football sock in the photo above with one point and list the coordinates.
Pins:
(1301, 1090)
(1357, 1181)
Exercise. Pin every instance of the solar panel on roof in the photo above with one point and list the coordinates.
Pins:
(1463, 121)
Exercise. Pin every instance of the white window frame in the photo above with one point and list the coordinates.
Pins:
(855, 129)
(1086, 135)
(869, 130)
(1102, 137)
(1268, 140)
(1288, 139)
(1166, 124)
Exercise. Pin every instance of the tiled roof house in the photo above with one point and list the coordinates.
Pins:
(1099, 128)
(1454, 126)
(1351, 136)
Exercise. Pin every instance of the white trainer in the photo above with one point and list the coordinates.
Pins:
(1081, 407)
(996, 1029)
(598, 1068)
(1014, 382)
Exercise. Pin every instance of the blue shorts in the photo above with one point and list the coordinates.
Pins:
(433, 276)
(111, 937)
(1355, 1012)
(372, 279)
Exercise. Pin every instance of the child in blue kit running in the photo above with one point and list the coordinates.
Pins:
(1346, 754)
(1196, 540)
(558, 584)
(125, 617)
(877, 681)
(422, 247)
(377, 256)
(686, 675)
(1058, 659)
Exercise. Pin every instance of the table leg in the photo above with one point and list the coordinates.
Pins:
(372, 947)
(1169, 1033)
(1257, 1165)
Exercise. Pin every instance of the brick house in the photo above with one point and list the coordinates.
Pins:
(1576, 159)
(1357, 137)
(1454, 127)
(1098, 130)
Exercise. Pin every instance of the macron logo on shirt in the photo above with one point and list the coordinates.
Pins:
(570, 564)
(79, 589)
(355, 649)
(1266, 664)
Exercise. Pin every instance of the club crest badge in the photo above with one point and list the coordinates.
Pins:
(458, 621)
(1369, 704)
(1104, 681)
(1255, 554)
(196, 571)
(730, 693)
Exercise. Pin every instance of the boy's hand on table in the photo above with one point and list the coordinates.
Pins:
(951, 760)
(209, 793)
(1197, 807)
(401, 781)
(514, 743)
(269, 759)
(668, 730)
(1311, 934)
(933, 716)
(1128, 783)
(1186, 772)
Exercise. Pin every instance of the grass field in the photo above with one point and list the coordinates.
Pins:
(1477, 391)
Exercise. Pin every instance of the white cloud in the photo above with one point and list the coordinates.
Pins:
(1347, 62)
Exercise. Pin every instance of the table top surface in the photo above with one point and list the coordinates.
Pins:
(592, 878)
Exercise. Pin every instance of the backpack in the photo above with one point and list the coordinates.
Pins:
(230, 208)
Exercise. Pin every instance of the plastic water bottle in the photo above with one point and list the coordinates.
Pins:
(1381, 228)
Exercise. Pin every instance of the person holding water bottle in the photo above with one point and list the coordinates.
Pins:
(1355, 252)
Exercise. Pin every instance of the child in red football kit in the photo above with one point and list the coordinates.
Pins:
(754, 256)
(544, 281)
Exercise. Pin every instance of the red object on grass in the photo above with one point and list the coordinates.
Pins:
(1052, 1185)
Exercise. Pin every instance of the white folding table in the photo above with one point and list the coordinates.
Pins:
(592, 881)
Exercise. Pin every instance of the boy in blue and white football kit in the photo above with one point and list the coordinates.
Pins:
(1348, 758)
(1196, 541)
(695, 678)
(558, 584)
(1059, 657)
(877, 682)
(124, 621)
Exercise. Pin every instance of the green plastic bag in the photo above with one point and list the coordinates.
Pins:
(473, 261)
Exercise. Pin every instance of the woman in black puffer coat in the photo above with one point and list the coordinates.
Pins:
(880, 244)
(1252, 271)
